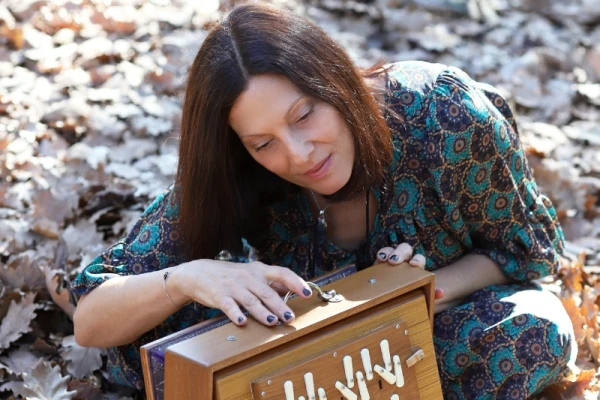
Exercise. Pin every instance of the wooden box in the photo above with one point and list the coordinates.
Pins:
(219, 360)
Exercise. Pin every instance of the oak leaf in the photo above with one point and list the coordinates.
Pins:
(45, 382)
(82, 360)
(17, 320)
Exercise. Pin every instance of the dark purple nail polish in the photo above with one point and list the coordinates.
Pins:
(270, 318)
(382, 256)
(394, 258)
(306, 292)
(240, 319)
(287, 315)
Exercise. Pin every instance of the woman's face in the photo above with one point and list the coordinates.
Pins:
(299, 138)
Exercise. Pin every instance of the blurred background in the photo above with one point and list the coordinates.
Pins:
(90, 99)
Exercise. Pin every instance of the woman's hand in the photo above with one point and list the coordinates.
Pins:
(400, 254)
(404, 253)
(229, 286)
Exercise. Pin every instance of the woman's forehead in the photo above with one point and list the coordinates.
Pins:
(267, 100)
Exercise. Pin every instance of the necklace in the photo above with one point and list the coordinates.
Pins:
(361, 253)
(321, 217)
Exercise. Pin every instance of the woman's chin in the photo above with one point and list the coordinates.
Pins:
(329, 188)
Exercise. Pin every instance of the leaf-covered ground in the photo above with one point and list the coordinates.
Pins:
(90, 95)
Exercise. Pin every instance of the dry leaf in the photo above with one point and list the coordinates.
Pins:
(85, 390)
(17, 320)
(45, 382)
(83, 360)
(23, 271)
(579, 323)
(94, 89)
(20, 360)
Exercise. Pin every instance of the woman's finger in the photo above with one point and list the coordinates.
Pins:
(254, 306)
(231, 308)
(280, 288)
(401, 254)
(271, 301)
(286, 277)
(418, 260)
(439, 293)
(384, 253)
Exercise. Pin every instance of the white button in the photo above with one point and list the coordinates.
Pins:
(398, 372)
(366, 360)
(288, 389)
(310, 386)
(347, 393)
(385, 353)
(385, 374)
(322, 395)
(362, 386)
(349, 371)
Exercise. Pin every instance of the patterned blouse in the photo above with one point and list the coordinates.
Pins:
(459, 182)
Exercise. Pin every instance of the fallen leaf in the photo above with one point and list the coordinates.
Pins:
(20, 360)
(23, 271)
(85, 390)
(82, 360)
(17, 320)
(45, 382)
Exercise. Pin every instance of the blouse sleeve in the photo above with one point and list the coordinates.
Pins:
(489, 198)
(150, 246)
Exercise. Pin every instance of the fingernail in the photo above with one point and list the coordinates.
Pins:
(287, 315)
(270, 318)
(306, 292)
(382, 256)
(394, 258)
(240, 319)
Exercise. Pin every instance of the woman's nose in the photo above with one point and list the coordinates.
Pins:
(299, 150)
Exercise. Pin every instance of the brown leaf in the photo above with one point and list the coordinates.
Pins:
(17, 320)
(85, 390)
(579, 386)
(46, 228)
(572, 276)
(44, 347)
(589, 309)
(83, 360)
(24, 271)
(593, 345)
(579, 324)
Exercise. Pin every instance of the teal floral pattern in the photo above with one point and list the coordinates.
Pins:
(458, 183)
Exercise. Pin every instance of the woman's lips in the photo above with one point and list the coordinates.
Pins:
(320, 170)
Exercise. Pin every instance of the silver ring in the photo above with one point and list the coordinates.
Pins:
(224, 255)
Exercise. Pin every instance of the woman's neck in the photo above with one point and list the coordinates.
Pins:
(345, 220)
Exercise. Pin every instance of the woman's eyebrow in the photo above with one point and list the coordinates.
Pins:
(287, 114)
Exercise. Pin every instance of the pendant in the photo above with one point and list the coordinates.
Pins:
(321, 219)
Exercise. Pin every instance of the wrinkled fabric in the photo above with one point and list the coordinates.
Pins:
(458, 183)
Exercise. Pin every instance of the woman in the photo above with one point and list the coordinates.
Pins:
(288, 149)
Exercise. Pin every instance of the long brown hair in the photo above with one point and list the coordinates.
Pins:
(222, 191)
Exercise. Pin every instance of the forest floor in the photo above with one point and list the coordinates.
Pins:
(90, 96)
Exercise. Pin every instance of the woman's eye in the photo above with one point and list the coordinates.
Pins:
(307, 114)
(262, 146)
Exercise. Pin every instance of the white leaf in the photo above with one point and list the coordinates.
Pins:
(20, 360)
(46, 383)
(83, 360)
(17, 320)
